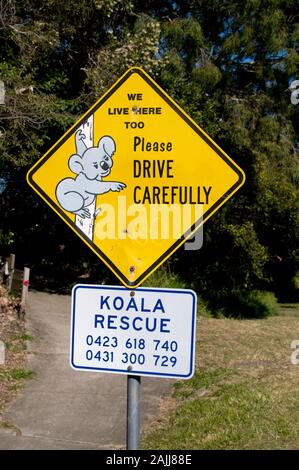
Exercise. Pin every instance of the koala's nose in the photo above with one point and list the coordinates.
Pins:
(104, 166)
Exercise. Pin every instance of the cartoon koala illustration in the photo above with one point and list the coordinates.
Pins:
(91, 165)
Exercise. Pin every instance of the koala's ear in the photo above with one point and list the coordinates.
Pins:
(80, 144)
(76, 164)
(108, 145)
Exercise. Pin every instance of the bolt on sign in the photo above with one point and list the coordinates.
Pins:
(135, 177)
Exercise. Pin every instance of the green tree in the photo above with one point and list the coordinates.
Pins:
(228, 63)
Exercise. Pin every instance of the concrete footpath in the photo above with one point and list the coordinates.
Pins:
(66, 409)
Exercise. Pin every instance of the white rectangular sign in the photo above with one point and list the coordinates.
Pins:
(146, 331)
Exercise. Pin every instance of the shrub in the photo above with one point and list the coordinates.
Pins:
(254, 304)
(166, 279)
(202, 308)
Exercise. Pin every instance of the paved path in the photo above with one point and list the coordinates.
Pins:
(63, 408)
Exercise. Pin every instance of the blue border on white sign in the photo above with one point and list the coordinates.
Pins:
(134, 372)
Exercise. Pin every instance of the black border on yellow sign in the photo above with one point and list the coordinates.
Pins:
(192, 229)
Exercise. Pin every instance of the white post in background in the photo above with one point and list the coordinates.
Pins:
(11, 268)
(87, 225)
(25, 286)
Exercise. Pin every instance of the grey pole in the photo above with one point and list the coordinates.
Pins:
(133, 412)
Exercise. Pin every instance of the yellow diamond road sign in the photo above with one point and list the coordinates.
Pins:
(135, 177)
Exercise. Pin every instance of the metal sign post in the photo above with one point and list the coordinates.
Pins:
(133, 408)
(133, 412)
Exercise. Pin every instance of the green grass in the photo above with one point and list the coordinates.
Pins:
(234, 416)
(21, 374)
(17, 343)
(24, 337)
(17, 374)
(14, 347)
(200, 381)
(230, 416)
(244, 393)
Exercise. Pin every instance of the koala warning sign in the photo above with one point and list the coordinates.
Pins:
(135, 177)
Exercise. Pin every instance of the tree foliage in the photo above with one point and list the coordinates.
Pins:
(228, 63)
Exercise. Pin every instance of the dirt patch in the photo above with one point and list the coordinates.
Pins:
(13, 337)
